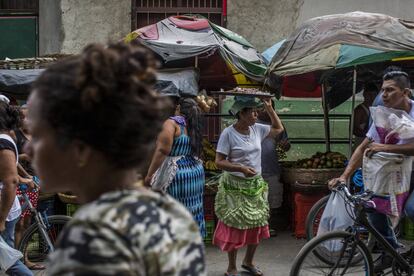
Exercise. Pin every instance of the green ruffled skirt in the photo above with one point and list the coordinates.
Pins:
(242, 202)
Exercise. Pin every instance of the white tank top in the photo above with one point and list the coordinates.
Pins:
(15, 210)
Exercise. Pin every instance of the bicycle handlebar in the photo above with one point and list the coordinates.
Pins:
(363, 198)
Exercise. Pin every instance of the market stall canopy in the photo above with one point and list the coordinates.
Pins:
(269, 53)
(343, 40)
(17, 82)
(177, 82)
(323, 48)
(179, 38)
(173, 82)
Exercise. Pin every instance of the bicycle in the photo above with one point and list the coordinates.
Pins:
(40, 237)
(344, 252)
(314, 216)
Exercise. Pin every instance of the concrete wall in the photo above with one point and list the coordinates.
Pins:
(261, 22)
(66, 26)
(265, 22)
(86, 21)
(397, 8)
(50, 27)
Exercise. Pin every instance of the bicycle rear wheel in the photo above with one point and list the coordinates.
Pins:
(340, 248)
(33, 244)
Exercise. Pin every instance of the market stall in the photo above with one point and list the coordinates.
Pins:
(333, 56)
(224, 61)
(333, 49)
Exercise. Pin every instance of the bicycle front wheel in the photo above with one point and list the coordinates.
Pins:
(340, 248)
(33, 244)
(314, 217)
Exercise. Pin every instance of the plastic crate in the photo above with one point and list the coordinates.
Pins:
(71, 209)
(302, 205)
(208, 206)
(47, 206)
(210, 227)
(408, 230)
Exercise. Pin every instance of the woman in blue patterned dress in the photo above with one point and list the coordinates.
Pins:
(175, 167)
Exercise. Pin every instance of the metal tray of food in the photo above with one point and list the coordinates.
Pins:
(243, 92)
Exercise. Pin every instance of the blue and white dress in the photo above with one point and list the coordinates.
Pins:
(188, 184)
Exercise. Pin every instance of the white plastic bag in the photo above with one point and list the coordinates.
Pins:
(388, 175)
(392, 125)
(8, 255)
(336, 216)
(165, 174)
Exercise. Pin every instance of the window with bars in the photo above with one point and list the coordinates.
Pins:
(146, 12)
(19, 6)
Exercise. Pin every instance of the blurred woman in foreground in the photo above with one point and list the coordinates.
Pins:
(92, 119)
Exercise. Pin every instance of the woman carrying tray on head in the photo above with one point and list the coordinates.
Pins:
(241, 201)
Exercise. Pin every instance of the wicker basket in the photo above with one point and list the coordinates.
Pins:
(309, 176)
(26, 63)
(68, 199)
(44, 196)
(31, 63)
(309, 188)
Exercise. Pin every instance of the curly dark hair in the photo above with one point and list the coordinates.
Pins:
(193, 116)
(9, 117)
(104, 98)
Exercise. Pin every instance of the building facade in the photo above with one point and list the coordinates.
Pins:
(66, 26)
(262, 22)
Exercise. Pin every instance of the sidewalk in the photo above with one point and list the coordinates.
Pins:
(274, 256)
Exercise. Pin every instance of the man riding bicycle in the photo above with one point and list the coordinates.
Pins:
(395, 94)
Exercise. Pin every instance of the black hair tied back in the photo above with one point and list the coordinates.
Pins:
(193, 115)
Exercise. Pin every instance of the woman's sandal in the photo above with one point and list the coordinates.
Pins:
(232, 274)
(36, 267)
(253, 270)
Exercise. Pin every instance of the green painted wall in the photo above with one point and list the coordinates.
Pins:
(18, 37)
(293, 113)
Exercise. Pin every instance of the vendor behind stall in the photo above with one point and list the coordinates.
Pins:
(362, 114)
(271, 168)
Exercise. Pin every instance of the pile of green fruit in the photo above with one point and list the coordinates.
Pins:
(281, 153)
(321, 160)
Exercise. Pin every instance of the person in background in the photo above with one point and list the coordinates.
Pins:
(25, 170)
(177, 155)
(93, 118)
(9, 179)
(362, 113)
(396, 95)
(241, 202)
(271, 168)
(4, 99)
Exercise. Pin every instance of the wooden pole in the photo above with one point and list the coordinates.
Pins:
(351, 124)
(326, 119)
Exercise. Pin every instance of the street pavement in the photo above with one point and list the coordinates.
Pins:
(274, 256)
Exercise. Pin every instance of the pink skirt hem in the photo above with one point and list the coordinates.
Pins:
(228, 238)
